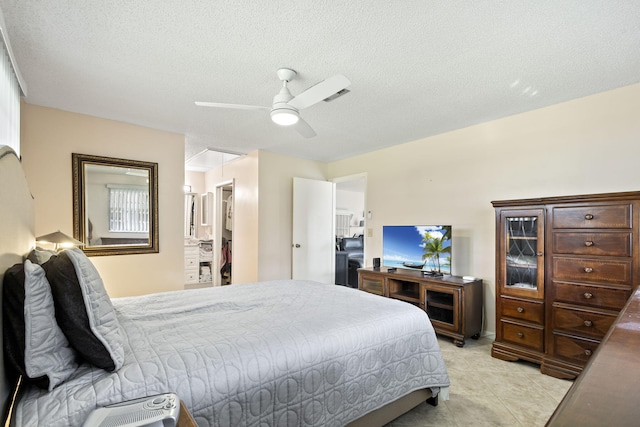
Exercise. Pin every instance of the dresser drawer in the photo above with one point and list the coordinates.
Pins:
(531, 311)
(592, 270)
(593, 244)
(191, 261)
(530, 336)
(576, 349)
(582, 322)
(191, 276)
(592, 295)
(191, 251)
(609, 216)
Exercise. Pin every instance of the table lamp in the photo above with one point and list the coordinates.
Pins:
(59, 240)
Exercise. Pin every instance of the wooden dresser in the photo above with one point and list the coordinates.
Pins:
(604, 394)
(565, 266)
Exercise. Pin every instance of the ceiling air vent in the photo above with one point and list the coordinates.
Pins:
(337, 95)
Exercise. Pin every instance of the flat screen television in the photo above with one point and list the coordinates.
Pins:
(417, 247)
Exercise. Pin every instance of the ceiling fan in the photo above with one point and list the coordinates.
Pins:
(285, 108)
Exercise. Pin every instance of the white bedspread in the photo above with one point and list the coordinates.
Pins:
(279, 353)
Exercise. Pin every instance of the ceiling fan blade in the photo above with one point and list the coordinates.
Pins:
(320, 91)
(304, 129)
(236, 106)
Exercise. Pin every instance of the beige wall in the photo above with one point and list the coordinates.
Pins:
(49, 137)
(589, 145)
(276, 210)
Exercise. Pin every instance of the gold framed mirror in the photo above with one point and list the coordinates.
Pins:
(115, 205)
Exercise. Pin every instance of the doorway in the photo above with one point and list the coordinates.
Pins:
(223, 234)
(350, 227)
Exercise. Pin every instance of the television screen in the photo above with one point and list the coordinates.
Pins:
(418, 247)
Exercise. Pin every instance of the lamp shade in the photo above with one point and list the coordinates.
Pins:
(58, 238)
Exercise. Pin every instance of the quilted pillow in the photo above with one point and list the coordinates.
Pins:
(40, 256)
(83, 309)
(34, 344)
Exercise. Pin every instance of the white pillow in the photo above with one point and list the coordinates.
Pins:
(46, 350)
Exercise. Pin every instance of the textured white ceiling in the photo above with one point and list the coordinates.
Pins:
(418, 68)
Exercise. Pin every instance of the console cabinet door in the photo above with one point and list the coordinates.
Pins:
(372, 283)
(520, 252)
(442, 304)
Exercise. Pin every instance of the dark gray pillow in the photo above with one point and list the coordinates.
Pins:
(83, 309)
(35, 347)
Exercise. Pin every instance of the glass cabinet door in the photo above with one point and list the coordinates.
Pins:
(372, 284)
(522, 245)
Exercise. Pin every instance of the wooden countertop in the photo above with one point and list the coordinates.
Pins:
(606, 391)
(407, 273)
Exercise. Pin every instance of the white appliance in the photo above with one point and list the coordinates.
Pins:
(161, 410)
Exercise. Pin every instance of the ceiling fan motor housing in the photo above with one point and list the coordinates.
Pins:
(281, 112)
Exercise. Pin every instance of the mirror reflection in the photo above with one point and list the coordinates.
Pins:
(115, 205)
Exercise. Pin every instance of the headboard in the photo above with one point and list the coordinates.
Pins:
(17, 236)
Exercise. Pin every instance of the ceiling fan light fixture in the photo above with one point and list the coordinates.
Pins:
(284, 116)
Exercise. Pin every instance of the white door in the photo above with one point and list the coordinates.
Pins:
(313, 246)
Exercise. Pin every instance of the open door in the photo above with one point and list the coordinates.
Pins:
(222, 269)
(313, 246)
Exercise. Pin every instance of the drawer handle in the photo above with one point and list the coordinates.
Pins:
(588, 270)
(520, 310)
(588, 323)
(588, 243)
(587, 352)
(588, 295)
(588, 217)
(520, 335)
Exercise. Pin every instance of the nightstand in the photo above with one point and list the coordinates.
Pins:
(185, 419)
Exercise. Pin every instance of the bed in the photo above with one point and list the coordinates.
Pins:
(272, 353)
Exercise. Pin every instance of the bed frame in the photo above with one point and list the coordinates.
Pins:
(393, 410)
(17, 238)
